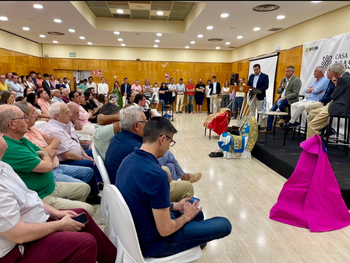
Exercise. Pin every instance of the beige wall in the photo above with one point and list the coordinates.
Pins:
(328, 25)
(14, 43)
(147, 54)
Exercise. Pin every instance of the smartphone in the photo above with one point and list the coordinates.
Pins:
(194, 199)
(82, 218)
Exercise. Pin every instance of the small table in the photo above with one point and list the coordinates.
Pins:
(274, 114)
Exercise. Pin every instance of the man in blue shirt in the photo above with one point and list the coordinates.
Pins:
(163, 228)
(132, 122)
(315, 92)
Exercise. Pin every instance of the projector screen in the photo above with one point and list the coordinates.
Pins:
(268, 65)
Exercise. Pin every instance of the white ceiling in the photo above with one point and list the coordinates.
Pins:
(241, 17)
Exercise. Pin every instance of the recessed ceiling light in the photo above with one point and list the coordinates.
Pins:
(89, 43)
(57, 20)
(200, 36)
(42, 36)
(26, 28)
(280, 17)
(157, 40)
(210, 27)
(120, 11)
(217, 48)
(239, 37)
(193, 42)
(159, 34)
(256, 28)
(123, 45)
(82, 37)
(55, 41)
(120, 39)
(155, 45)
(38, 6)
(3, 18)
(187, 46)
(315, 2)
(227, 43)
(71, 30)
(224, 15)
(160, 13)
(116, 33)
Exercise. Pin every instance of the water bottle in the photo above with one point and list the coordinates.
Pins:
(263, 107)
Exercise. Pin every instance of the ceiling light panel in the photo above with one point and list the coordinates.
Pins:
(199, 36)
(210, 27)
(26, 28)
(256, 28)
(224, 15)
(3, 18)
(82, 37)
(159, 34)
(57, 20)
(280, 17)
(38, 6)
(71, 30)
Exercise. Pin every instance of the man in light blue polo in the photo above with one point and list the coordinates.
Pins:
(314, 93)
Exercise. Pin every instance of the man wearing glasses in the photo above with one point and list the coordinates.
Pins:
(35, 166)
(132, 122)
(163, 228)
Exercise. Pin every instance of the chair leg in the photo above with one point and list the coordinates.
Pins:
(347, 138)
(329, 129)
(336, 140)
(205, 131)
(209, 134)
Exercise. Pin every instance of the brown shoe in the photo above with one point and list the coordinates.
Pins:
(264, 131)
(194, 177)
(281, 121)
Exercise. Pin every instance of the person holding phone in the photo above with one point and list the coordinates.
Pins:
(33, 231)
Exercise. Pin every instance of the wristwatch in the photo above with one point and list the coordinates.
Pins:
(171, 206)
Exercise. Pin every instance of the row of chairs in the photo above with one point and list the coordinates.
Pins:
(120, 228)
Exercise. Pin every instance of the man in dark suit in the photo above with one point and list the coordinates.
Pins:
(339, 105)
(215, 90)
(125, 90)
(289, 91)
(260, 81)
(47, 84)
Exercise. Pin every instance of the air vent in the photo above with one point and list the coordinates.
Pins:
(231, 47)
(215, 39)
(275, 29)
(265, 8)
(55, 33)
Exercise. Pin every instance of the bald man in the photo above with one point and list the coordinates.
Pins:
(56, 96)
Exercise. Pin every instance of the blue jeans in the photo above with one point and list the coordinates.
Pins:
(238, 105)
(72, 173)
(283, 105)
(195, 233)
(162, 104)
(189, 105)
(169, 161)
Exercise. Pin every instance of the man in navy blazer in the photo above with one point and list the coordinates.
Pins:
(215, 90)
(260, 81)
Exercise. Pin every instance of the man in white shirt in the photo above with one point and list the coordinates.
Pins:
(91, 84)
(56, 96)
(65, 82)
(172, 87)
(13, 85)
(180, 90)
(103, 87)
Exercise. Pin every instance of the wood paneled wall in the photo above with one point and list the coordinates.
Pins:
(22, 64)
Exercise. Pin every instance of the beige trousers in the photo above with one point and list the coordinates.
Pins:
(179, 102)
(180, 190)
(256, 106)
(317, 119)
(313, 106)
(214, 103)
(70, 196)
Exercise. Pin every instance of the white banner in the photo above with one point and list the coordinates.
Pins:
(323, 52)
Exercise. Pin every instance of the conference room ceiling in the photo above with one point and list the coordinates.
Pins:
(181, 23)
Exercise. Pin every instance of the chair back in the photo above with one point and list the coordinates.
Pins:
(121, 228)
(100, 165)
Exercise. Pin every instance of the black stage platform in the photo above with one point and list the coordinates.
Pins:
(283, 159)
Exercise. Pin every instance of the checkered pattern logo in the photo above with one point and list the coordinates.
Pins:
(327, 61)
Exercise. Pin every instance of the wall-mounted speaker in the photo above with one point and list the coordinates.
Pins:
(234, 78)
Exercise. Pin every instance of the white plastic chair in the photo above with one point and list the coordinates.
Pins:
(121, 231)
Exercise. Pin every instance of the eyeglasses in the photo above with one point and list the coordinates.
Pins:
(25, 118)
(142, 121)
(172, 143)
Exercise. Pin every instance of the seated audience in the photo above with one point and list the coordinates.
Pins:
(61, 172)
(20, 98)
(60, 85)
(108, 125)
(32, 98)
(163, 228)
(13, 85)
(101, 98)
(65, 95)
(39, 80)
(70, 151)
(43, 101)
(8, 77)
(84, 116)
(35, 166)
(7, 98)
(3, 84)
(338, 106)
(56, 96)
(289, 93)
(315, 92)
(30, 82)
(130, 97)
(132, 121)
(33, 231)
(26, 92)
(65, 82)
(22, 80)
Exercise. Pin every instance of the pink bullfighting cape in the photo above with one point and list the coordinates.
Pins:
(311, 197)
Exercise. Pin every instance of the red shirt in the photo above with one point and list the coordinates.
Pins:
(190, 87)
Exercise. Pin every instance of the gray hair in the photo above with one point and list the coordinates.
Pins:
(71, 105)
(24, 106)
(6, 116)
(128, 116)
(337, 68)
(292, 68)
(321, 68)
(55, 91)
(55, 108)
